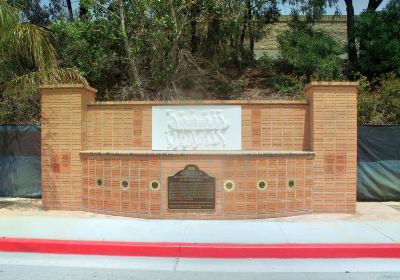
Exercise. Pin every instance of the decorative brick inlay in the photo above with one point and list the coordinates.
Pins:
(312, 142)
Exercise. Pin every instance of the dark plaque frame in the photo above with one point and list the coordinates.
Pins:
(191, 189)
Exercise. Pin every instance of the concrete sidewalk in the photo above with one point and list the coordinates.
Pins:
(310, 230)
(373, 223)
(241, 232)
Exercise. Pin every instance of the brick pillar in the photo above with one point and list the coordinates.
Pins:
(333, 111)
(63, 110)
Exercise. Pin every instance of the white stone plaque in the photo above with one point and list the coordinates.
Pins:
(201, 127)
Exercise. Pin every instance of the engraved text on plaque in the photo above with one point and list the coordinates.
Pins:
(191, 188)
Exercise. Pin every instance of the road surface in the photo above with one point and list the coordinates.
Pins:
(22, 266)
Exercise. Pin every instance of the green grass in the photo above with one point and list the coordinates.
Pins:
(273, 53)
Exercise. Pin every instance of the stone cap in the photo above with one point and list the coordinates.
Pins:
(68, 86)
(196, 153)
(204, 102)
(331, 84)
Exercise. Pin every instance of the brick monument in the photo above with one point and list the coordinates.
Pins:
(208, 159)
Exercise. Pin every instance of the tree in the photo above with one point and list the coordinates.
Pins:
(379, 35)
(132, 69)
(257, 14)
(83, 9)
(70, 12)
(55, 8)
(32, 11)
(312, 9)
(194, 13)
(374, 4)
(27, 59)
(310, 52)
(166, 46)
(351, 39)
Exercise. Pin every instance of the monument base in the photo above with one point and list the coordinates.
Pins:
(263, 184)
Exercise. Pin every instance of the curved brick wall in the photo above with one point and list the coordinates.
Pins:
(245, 201)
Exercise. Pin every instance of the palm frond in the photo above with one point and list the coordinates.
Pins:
(29, 83)
(29, 43)
(61, 76)
(8, 18)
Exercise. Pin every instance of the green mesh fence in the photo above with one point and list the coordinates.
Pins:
(20, 161)
(378, 175)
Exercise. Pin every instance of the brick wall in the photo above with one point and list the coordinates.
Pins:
(245, 201)
(63, 123)
(268, 126)
(334, 141)
(312, 142)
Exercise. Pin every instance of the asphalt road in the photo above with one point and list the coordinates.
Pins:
(21, 266)
(57, 273)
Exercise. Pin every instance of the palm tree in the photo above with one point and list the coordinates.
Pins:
(27, 57)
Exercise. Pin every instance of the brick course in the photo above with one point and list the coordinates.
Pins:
(311, 141)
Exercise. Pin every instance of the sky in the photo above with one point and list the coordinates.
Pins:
(359, 6)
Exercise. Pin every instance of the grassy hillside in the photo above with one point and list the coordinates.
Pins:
(268, 44)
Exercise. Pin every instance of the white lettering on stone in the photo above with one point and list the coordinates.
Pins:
(196, 128)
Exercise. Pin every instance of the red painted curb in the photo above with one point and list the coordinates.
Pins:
(200, 250)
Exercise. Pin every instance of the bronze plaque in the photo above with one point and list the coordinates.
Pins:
(191, 188)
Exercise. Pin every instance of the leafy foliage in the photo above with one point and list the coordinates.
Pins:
(288, 85)
(379, 100)
(27, 59)
(176, 49)
(378, 33)
(283, 84)
(93, 48)
(158, 33)
(310, 52)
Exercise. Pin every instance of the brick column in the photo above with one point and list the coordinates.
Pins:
(333, 111)
(63, 110)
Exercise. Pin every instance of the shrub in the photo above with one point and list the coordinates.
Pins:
(266, 64)
(379, 100)
(288, 85)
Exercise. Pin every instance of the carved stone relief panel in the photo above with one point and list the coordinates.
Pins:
(200, 127)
